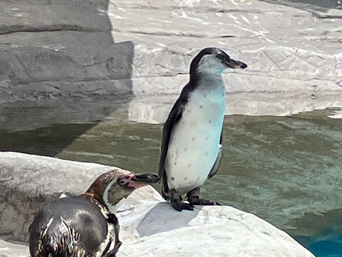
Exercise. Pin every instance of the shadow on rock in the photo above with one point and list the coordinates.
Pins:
(164, 218)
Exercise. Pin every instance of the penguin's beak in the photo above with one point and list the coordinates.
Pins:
(235, 64)
(136, 181)
(146, 178)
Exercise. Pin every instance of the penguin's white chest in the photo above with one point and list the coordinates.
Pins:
(195, 140)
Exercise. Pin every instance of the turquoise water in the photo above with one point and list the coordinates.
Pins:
(328, 242)
(326, 245)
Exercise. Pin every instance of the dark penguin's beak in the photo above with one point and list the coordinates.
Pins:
(136, 181)
(146, 178)
(231, 63)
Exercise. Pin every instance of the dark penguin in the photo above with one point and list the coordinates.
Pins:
(192, 134)
(84, 225)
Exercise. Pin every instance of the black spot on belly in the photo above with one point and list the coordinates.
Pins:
(209, 121)
(185, 178)
(172, 178)
(201, 106)
(193, 139)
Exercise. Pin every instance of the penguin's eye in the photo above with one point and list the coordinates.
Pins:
(223, 57)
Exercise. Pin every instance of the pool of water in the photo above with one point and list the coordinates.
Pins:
(286, 170)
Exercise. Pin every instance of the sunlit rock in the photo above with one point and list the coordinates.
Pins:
(111, 49)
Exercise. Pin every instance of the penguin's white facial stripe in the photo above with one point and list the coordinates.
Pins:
(105, 194)
(211, 64)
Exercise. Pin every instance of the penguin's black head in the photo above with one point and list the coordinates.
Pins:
(213, 60)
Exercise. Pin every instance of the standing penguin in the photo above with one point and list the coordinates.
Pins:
(84, 226)
(192, 134)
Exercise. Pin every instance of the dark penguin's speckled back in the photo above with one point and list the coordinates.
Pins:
(68, 222)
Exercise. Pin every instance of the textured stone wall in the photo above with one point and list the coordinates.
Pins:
(60, 49)
(286, 49)
(87, 49)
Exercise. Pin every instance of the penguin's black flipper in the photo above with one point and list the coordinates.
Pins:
(174, 116)
(217, 163)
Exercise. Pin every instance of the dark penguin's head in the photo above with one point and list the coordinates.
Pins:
(84, 225)
(112, 186)
(213, 61)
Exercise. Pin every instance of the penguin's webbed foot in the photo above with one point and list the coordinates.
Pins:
(198, 201)
(193, 198)
(179, 205)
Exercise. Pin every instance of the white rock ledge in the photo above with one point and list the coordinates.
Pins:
(207, 231)
(150, 227)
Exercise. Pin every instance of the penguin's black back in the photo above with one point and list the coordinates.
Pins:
(67, 227)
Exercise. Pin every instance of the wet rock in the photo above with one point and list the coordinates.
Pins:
(149, 226)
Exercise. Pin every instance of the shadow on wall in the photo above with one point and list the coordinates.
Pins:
(59, 64)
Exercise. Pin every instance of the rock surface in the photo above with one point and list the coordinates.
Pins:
(286, 48)
(89, 49)
(64, 61)
(149, 226)
(28, 182)
(8, 249)
(60, 49)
